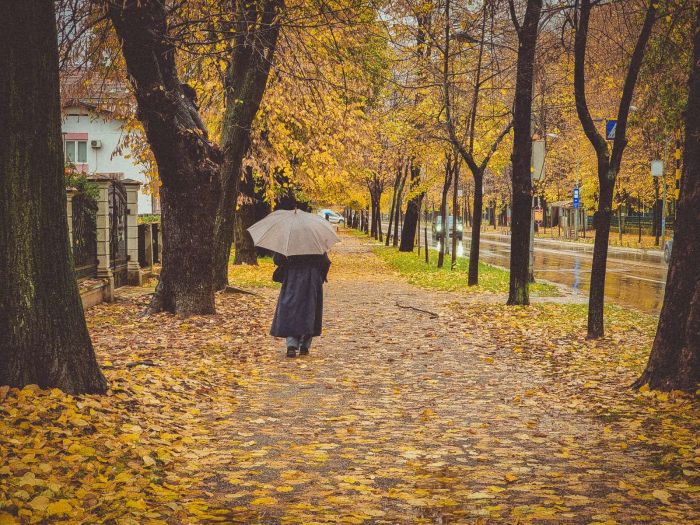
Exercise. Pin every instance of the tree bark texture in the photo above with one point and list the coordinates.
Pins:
(257, 29)
(608, 161)
(188, 164)
(473, 278)
(411, 219)
(596, 298)
(521, 215)
(674, 363)
(43, 335)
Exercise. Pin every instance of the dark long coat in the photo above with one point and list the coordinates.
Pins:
(300, 305)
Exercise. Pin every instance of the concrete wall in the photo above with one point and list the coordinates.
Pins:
(108, 130)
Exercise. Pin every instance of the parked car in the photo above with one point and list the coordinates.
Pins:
(438, 232)
(667, 250)
(333, 217)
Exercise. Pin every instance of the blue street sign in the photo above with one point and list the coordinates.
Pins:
(610, 128)
(576, 198)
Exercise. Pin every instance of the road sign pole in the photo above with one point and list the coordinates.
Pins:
(575, 203)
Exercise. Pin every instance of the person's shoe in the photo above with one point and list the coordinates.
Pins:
(303, 351)
(291, 351)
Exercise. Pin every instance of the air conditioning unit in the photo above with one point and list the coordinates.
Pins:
(95, 144)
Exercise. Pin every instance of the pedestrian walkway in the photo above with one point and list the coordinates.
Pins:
(410, 410)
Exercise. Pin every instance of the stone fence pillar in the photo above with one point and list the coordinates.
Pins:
(135, 276)
(104, 270)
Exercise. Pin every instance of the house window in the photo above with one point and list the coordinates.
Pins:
(76, 151)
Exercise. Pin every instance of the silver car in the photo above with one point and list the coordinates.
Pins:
(332, 217)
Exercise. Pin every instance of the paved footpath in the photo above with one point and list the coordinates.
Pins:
(411, 415)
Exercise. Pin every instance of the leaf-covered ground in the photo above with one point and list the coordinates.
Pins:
(463, 411)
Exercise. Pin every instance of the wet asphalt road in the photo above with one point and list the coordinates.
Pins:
(635, 278)
(631, 280)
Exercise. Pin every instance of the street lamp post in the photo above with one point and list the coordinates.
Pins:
(657, 171)
(663, 214)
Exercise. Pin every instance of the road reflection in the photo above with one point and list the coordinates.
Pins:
(629, 281)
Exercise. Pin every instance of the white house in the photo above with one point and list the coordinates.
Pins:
(91, 138)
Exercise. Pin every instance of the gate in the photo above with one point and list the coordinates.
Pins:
(156, 242)
(84, 235)
(117, 239)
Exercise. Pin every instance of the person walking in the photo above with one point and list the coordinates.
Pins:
(300, 241)
(299, 313)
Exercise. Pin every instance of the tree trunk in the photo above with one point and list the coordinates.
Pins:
(188, 164)
(596, 299)
(397, 209)
(521, 214)
(443, 236)
(455, 182)
(245, 252)
(425, 238)
(255, 39)
(467, 211)
(410, 222)
(375, 233)
(608, 162)
(394, 193)
(43, 336)
(674, 363)
(244, 218)
(476, 229)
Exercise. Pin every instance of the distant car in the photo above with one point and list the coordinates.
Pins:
(333, 217)
(438, 232)
(667, 250)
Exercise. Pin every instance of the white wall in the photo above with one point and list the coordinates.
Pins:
(102, 160)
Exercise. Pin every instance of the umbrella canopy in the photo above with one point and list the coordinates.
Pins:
(293, 232)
